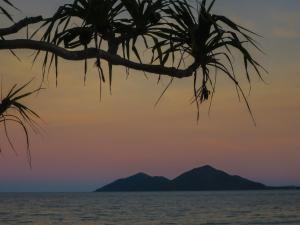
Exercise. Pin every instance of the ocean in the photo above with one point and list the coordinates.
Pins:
(157, 208)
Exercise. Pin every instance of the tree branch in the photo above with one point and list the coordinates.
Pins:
(20, 25)
(91, 53)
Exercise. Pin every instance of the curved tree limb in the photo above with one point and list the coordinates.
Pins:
(20, 25)
(95, 53)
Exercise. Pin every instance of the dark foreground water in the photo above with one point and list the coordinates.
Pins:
(185, 208)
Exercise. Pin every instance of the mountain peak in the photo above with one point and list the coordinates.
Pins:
(141, 174)
(206, 167)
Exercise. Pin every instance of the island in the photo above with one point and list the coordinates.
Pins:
(205, 178)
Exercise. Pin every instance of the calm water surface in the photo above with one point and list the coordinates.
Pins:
(180, 208)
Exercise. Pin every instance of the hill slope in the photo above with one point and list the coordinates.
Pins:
(209, 178)
(138, 182)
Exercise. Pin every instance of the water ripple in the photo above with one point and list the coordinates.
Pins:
(178, 208)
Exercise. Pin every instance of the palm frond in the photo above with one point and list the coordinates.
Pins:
(5, 11)
(169, 29)
(12, 110)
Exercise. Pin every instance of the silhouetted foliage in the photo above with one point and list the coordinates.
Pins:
(184, 39)
(3, 9)
(13, 111)
(174, 31)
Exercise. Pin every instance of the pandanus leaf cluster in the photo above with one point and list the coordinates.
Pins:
(12, 110)
(209, 40)
(174, 32)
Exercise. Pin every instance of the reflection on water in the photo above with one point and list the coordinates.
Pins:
(182, 208)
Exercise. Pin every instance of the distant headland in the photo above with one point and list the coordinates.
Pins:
(205, 178)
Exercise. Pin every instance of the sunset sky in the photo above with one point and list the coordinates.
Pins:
(86, 143)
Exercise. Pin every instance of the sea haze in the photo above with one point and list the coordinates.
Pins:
(151, 208)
